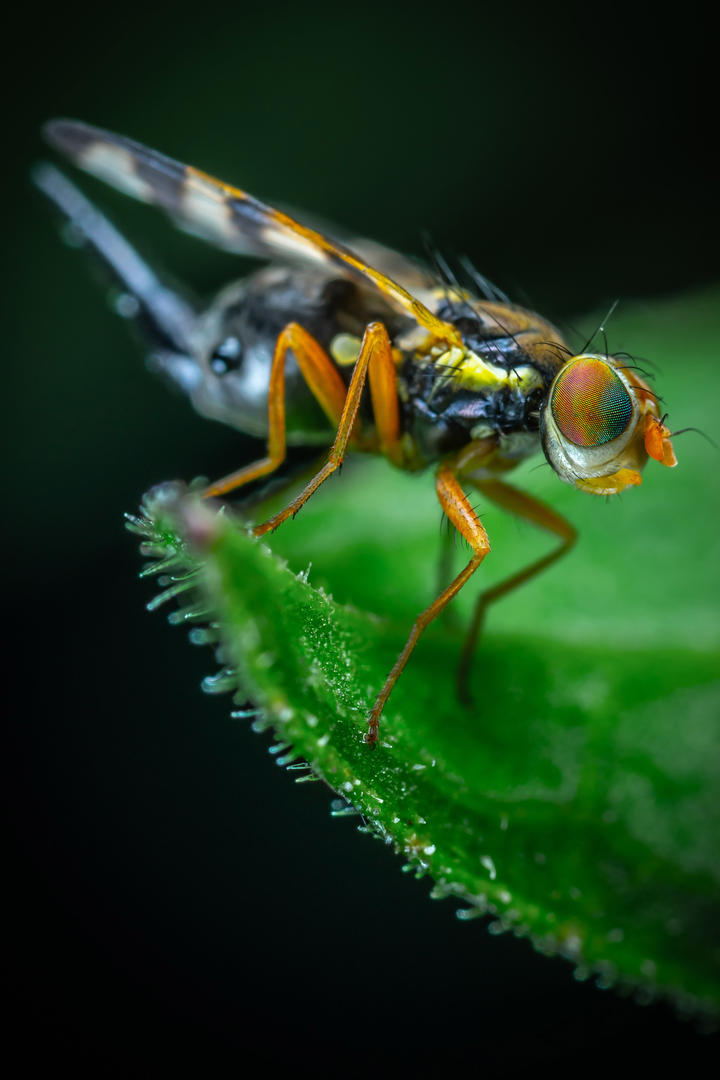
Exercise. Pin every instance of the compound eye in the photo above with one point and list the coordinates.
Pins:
(589, 403)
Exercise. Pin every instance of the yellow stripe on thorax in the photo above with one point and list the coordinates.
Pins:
(469, 371)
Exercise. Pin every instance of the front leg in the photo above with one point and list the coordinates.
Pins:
(322, 378)
(375, 360)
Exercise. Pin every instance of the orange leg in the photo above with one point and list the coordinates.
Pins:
(275, 485)
(324, 381)
(525, 506)
(374, 362)
(463, 517)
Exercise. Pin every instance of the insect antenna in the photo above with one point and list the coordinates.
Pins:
(698, 431)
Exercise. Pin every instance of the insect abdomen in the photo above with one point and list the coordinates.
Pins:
(239, 333)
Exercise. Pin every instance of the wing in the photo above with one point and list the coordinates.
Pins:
(223, 214)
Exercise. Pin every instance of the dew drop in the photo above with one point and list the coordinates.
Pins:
(489, 866)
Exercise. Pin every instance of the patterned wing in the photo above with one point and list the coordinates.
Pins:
(223, 214)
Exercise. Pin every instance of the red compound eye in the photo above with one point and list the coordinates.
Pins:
(590, 404)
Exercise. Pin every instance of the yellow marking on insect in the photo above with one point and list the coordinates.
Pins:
(609, 485)
(345, 349)
(439, 293)
(468, 370)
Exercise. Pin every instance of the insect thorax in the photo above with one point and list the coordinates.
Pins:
(493, 386)
(449, 396)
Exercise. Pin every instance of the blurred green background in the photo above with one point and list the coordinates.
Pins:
(174, 891)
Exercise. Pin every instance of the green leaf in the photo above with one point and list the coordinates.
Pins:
(576, 801)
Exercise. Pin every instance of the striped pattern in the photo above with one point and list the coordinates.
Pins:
(223, 214)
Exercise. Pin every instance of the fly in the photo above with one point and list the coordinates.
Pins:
(359, 349)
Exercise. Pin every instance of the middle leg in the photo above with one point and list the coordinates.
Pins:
(374, 360)
(454, 502)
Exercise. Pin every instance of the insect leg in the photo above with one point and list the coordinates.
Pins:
(524, 506)
(455, 504)
(375, 357)
(323, 380)
(276, 484)
(168, 319)
(383, 391)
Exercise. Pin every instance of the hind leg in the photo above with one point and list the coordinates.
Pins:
(455, 504)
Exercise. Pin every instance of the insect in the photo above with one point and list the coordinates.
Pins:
(460, 379)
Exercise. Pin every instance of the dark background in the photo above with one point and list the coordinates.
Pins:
(175, 898)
